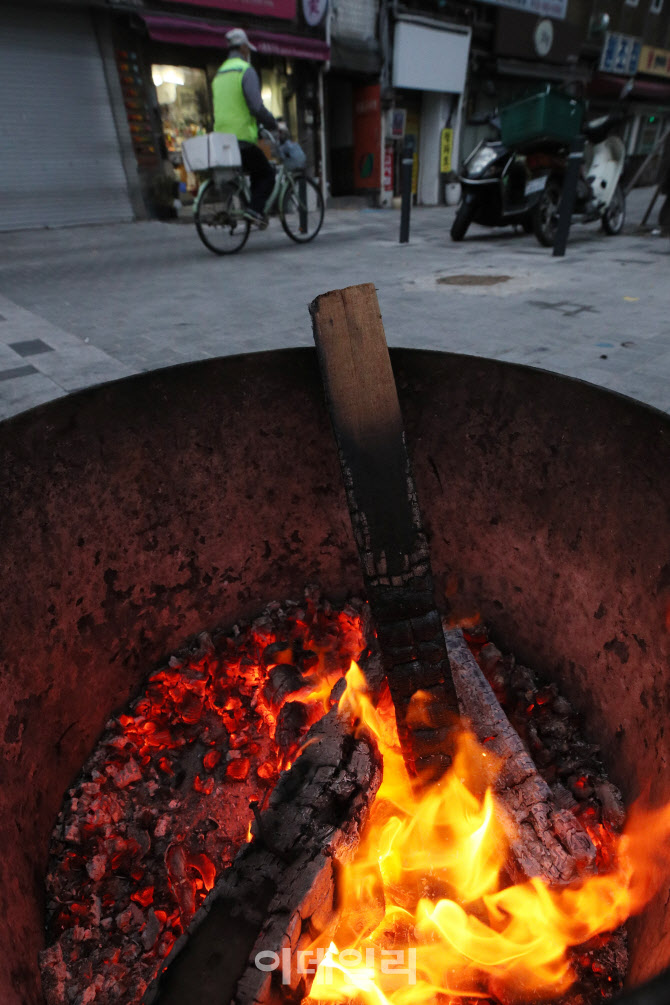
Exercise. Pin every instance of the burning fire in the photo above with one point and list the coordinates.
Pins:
(429, 913)
(429, 880)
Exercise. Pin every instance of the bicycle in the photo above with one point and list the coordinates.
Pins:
(222, 201)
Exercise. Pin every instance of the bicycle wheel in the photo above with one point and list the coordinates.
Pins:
(301, 209)
(218, 218)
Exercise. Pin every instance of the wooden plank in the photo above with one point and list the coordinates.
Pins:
(381, 494)
(364, 408)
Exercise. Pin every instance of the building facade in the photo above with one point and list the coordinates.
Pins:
(630, 41)
(453, 63)
(353, 100)
(177, 48)
(448, 64)
(100, 96)
(67, 154)
(425, 79)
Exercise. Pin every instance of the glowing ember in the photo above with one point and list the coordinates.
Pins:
(163, 804)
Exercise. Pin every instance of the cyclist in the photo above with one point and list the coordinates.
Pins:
(238, 109)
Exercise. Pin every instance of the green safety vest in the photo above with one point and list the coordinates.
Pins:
(231, 112)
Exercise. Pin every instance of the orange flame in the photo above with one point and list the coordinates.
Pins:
(426, 911)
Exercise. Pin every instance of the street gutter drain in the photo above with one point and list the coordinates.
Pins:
(466, 280)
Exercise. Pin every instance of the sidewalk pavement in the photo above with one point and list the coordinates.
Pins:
(80, 306)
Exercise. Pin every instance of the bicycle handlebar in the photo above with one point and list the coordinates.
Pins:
(276, 139)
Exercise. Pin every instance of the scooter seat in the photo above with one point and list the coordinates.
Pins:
(598, 129)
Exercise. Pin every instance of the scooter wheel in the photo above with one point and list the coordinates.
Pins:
(614, 216)
(464, 217)
(545, 213)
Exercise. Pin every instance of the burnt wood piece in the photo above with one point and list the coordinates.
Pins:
(381, 495)
(545, 841)
(279, 896)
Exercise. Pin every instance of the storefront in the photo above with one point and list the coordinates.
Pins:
(530, 50)
(652, 142)
(430, 60)
(62, 159)
(180, 56)
(354, 134)
(644, 72)
(353, 101)
(646, 125)
(183, 100)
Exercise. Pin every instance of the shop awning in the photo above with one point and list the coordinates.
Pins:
(608, 85)
(189, 31)
(542, 71)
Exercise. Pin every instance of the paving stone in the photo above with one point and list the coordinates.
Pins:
(16, 371)
(74, 368)
(122, 298)
(27, 392)
(30, 347)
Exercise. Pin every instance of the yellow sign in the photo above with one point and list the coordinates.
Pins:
(446, 146)
(415, 173)
(656, 61)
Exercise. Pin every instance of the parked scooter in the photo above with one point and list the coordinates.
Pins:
(600, 195)
(501, 187)
(523, 184)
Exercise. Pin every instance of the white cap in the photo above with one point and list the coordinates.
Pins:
(237, 37)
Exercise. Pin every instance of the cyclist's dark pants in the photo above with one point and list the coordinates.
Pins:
(261, 172)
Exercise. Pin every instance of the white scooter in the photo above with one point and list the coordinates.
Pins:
(600, 195)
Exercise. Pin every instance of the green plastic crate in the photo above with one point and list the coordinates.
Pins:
(549, 115)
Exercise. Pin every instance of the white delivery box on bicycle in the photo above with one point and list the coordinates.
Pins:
(220, 211)
(219, 151)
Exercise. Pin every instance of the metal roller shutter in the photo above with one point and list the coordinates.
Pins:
(60, 161)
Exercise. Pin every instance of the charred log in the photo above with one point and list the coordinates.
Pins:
(545, 840)
(279, 897)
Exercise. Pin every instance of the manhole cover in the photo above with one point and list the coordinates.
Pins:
(472, 280)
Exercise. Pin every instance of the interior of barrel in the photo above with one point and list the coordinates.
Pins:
(141, 512)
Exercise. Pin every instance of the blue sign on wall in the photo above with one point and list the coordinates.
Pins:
(621, 54)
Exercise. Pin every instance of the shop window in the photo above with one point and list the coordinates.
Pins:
(649, 133)
(272, 87)
(630, 134)
(184, 103)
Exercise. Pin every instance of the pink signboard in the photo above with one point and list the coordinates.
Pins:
(263, 8)
(185, 31)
